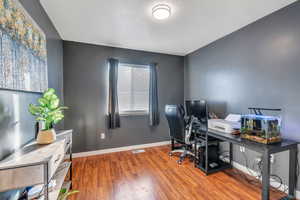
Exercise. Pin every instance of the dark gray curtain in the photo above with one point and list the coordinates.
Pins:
(113, 106)
(153, 96)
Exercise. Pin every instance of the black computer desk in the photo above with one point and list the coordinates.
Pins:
(266, 151)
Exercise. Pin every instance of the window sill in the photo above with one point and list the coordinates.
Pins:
(133, 113)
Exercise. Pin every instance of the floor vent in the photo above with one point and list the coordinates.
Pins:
(138, 151)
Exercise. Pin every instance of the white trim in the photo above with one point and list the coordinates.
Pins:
(121, 64)
(252, 172)
(118, 149)
(134, 113)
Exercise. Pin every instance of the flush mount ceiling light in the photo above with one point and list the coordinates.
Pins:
(161, 11)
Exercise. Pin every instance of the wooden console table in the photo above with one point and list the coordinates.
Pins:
(39, 164)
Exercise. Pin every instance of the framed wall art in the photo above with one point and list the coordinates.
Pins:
(23, 54)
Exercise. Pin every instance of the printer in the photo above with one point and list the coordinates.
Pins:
(228, 125)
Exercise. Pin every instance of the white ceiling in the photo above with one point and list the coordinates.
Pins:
(129, 24)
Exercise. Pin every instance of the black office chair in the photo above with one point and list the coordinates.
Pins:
(179, 131)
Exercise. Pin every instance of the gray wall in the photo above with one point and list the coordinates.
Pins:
(13, 104)
(85, 87)
(258, 65)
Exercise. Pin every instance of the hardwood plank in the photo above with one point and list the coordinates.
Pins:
(153, 175)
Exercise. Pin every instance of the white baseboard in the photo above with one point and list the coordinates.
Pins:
(254, 173)
(118, 149)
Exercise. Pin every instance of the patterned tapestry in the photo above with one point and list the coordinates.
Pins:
(23, 56)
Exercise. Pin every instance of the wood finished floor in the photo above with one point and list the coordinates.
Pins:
(154, 175)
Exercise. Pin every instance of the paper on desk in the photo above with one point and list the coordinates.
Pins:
(233, 118)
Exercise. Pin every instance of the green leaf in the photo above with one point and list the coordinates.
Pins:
(49, 93)
(40, 119)
(63, 194)
(43, 101)
(57, 120)
(73, 192)
(64, 190)
(63, 108)
(54, 103)
(53, 97)
(35, 110)
(48, 109)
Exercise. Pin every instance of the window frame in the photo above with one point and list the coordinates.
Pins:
(134, 112)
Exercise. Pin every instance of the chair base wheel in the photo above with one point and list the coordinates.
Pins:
(170, 154)
(179, 162)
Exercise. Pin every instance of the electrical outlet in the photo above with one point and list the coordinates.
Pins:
(272, 158)
(242, 149)
(102, 136)
(257, 160)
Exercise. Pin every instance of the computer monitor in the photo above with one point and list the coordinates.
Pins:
(197, 108)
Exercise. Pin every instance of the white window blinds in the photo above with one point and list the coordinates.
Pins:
(133, 88)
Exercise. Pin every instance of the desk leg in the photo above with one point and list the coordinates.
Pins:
(195, 153)
(265, 176)
(172, 144)
(230, 153)
(292, 172)
(71, 166)
(206, 156)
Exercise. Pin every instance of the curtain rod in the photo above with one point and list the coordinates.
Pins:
(135, 65)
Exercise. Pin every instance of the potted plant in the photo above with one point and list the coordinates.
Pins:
(49, 113)
(64, 194)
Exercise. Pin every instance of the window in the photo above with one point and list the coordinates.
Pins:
(133, 88)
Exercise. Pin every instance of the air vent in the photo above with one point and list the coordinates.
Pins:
(138, 151)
